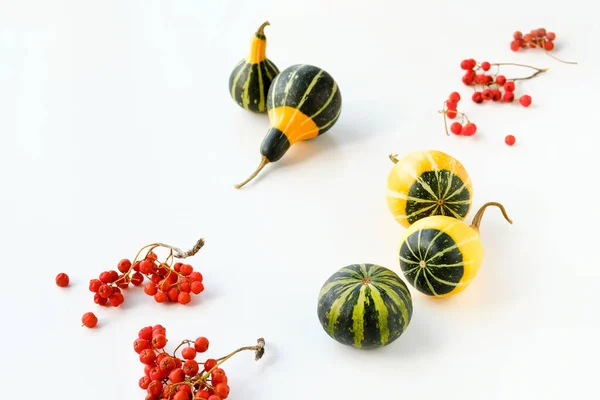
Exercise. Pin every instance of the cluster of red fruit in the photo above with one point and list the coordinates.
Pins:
(495, 87)
(536, 38)
(450, 110)
(171, 377)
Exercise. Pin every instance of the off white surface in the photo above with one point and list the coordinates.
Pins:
(117, 130)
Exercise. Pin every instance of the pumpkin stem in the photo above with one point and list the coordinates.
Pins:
(264, 161)
(479, 215)
(261, 29)
(394, 158)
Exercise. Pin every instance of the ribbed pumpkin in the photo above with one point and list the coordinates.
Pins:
(425, 183)
(251, 78)
(303, 102)
(365, 306)
(440, 255)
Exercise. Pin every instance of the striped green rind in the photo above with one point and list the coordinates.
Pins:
(431, 262)
(249, 84)
(310, 89)
(365, 306)
(437, 193)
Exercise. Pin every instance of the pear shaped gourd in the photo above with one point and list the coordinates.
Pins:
(303, 102)
(251, 78)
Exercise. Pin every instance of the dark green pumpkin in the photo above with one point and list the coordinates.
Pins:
(251, 78)
(365, 306)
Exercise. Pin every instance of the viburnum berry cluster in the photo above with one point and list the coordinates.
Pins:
(179, 376)
(168, 281)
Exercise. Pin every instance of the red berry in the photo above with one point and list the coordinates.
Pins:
(477, 97)
(89, 320)
(472, 63)
(551, 36)
(105, 277)
(528, 37)
(518, 35)
(451, 105)
(155, 374)
(496, 95)
(189, 353)
(217, 376)
(465, 64)
(183, 298)
(501, 80)
(95, 285)
(214, 397)
(62, 280)
(122, 282)
(509, 86)
(173, 294)
(510, 140)
(147, 369)
(548, 46)
(515, 45)
(146, 267)
(185, 285)
(151, 256)
(105, 291)
(145, 333)
(124, 266)
(159, 341)
(137, 279)
(178, 362)
(201, 344)
(147, 356)
(485, 66)
(456, 128)
(150, 289)
(480, 79)
(155, 388)
(450, 114)
(101, 301)
(185, 389)
(156, 279)
(222, 389)
(177, 266)
(164, 285)
(196, 276)
(158, 329)
(454, 96)
(140, 344)
(540, 32)
(167, 364)
(116, 299)
(181, 395)
(144, 382)
(161, 297)
(525, 100)
(509, 97)
(469, 78)
(202, 395)
(487, 94)
(198, 287)
(209, 364)
(190, 367)
(186, 269)
(177, 375)
(469, 129)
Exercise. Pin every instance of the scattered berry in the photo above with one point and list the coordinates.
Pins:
(89, 320)
(510, 140)
(525, 100)
(62, 280)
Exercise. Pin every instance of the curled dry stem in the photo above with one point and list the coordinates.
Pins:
(479, 215)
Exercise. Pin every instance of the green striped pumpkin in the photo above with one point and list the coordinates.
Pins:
(365, 306)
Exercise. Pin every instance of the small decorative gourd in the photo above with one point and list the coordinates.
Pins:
(365, 306)
(440, 255)
(251, 78)
(303, 102)
(425, 183)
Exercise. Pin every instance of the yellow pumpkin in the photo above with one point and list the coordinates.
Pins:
(426, 183)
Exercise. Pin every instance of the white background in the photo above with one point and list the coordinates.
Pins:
(117, 130)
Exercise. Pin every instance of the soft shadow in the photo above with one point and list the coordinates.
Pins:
(416, 340)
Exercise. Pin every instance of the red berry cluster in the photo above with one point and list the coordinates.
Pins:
(536, 38)
(450, 111)
(168, 281)
(493, 87)
(172, 377)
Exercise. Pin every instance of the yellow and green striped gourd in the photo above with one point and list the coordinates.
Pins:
(251, 78)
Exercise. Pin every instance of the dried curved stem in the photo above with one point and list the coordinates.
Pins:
(479, 215)
(558, 59)
(184, 254)
(394, 158)
(261, 29)
(264, 161)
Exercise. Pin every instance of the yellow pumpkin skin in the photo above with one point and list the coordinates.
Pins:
(426, 183)
(440, 255)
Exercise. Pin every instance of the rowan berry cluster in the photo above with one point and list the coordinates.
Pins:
(495, 86)
(450, 111)
(179, 376)
(535, 38)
